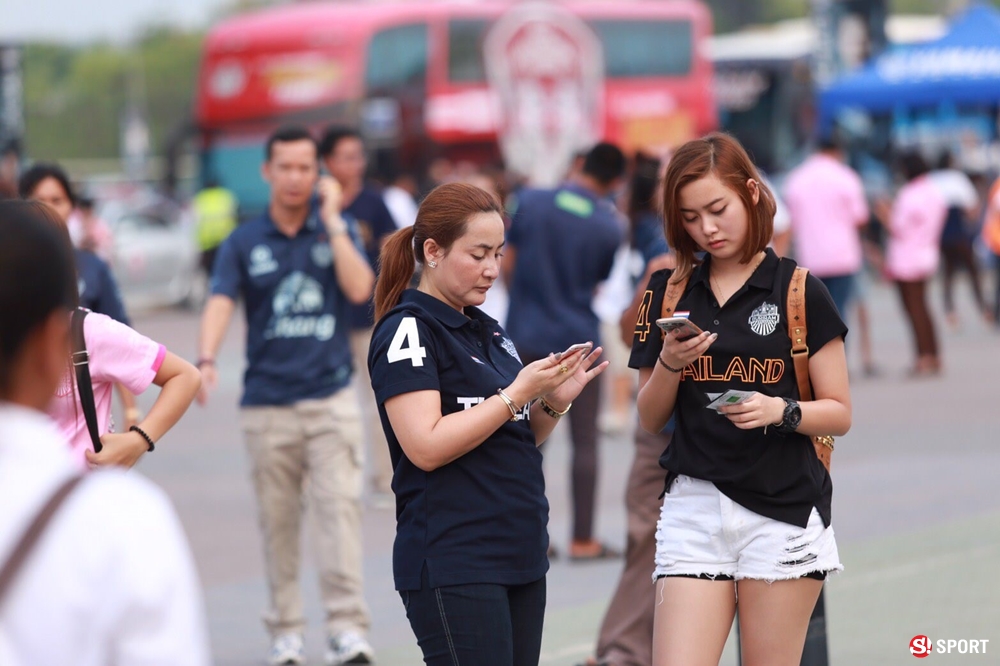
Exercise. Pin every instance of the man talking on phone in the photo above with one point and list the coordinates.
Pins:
(298, 268)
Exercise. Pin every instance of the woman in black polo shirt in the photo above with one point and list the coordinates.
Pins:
(747, 498)
(463, 419)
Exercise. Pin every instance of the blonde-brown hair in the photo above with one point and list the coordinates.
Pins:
(444, 216)
(723, 156)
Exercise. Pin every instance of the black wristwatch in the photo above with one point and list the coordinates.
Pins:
(791, 417)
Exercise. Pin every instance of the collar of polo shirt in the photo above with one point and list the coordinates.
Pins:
(762, 277)
(443, 312)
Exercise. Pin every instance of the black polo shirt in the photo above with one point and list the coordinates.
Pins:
(482, 518)
(778, 476)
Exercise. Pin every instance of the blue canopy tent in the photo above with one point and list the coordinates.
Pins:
(962, 68)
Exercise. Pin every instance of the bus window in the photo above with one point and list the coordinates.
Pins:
(397, 57)
(465, 50)
(634, 49)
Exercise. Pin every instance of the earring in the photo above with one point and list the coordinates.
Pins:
(432, 264)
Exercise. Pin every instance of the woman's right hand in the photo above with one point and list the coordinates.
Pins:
(545, 375)
(682, 353)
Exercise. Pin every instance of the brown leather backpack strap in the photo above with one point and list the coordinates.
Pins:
(672, 295)
(798, 331)
(34, 532)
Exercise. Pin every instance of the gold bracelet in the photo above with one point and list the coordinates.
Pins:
(509, 402)
(551, 411)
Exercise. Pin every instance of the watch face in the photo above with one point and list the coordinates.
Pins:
(793, 414)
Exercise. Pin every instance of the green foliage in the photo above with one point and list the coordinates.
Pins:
(75, 96)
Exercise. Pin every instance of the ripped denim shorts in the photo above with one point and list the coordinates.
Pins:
(704, 534)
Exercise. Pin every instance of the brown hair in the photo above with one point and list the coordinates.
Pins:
(443, 216)
(722, 155)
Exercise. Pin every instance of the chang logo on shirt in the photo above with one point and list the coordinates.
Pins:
(322, 255)
(261, 261)
(296, 300)
(764, 320)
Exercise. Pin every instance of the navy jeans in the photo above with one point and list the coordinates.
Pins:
(477, 624)
(841, 288)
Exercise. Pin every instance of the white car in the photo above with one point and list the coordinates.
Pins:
(156, 259)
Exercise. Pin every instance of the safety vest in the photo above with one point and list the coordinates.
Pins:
(215, 211)
(991, 225)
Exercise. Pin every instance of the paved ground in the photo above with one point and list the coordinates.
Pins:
(915, 508)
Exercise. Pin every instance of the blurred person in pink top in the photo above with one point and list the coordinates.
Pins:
(119, 355)
(915, 224)
(826, 200)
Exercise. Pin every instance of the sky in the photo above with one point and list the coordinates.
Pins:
(88, 20)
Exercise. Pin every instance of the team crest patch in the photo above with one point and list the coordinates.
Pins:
(764, 320)
(322, 255)
(509, 346)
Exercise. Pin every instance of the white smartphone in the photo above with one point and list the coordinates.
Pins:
(687, 327)
(579, 345)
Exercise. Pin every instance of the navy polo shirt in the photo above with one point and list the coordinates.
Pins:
(482, 518)
(374, 222)
(774, 475)
(98, 288)
(297, 346)
(566, 241)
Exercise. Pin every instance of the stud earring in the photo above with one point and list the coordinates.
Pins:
(432, 264)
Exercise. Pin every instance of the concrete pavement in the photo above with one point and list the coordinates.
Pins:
(915, 509)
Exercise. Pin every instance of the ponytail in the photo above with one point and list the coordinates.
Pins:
(396, 264)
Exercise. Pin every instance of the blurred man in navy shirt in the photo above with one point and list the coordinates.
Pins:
(560, 246)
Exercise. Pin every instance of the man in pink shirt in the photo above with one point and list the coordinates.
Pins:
(827, 203)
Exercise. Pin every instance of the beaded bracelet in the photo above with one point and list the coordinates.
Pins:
(664, 364)
(149, 440)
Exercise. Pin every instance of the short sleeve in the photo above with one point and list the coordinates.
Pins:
(227, 273)
(403, 357)
(121, 355)
(647, 341)
(823, 321)
(110, 298)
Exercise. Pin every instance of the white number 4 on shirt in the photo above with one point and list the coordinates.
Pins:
(407, 333)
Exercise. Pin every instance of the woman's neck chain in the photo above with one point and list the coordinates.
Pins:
(719, 293)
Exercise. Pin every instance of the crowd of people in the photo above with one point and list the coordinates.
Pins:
(373, 331)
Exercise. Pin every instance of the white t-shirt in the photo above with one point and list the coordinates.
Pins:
(401, 206)
(956, 188)
(111, 581)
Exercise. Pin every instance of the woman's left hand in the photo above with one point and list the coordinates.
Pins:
(757, 412)
(571, 388)
(119, 449)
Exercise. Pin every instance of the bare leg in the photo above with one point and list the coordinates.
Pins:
(774, 619)
(865, 337)
(692, 621)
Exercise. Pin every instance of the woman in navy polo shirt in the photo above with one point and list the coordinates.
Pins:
(747, 498)
(463, 420)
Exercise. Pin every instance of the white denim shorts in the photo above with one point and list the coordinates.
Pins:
(703, 533)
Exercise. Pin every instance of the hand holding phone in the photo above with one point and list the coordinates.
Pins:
(331, 197)
(688, 329)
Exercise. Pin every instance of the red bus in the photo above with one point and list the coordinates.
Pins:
(411, 76)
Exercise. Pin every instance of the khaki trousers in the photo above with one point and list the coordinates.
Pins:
(381, 463)
(626, 636)
(310, 452)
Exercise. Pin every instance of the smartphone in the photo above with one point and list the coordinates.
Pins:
(579, 345)
(687, 327)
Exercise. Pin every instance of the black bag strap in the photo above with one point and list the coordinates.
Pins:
(14, 563)
(84, 387)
